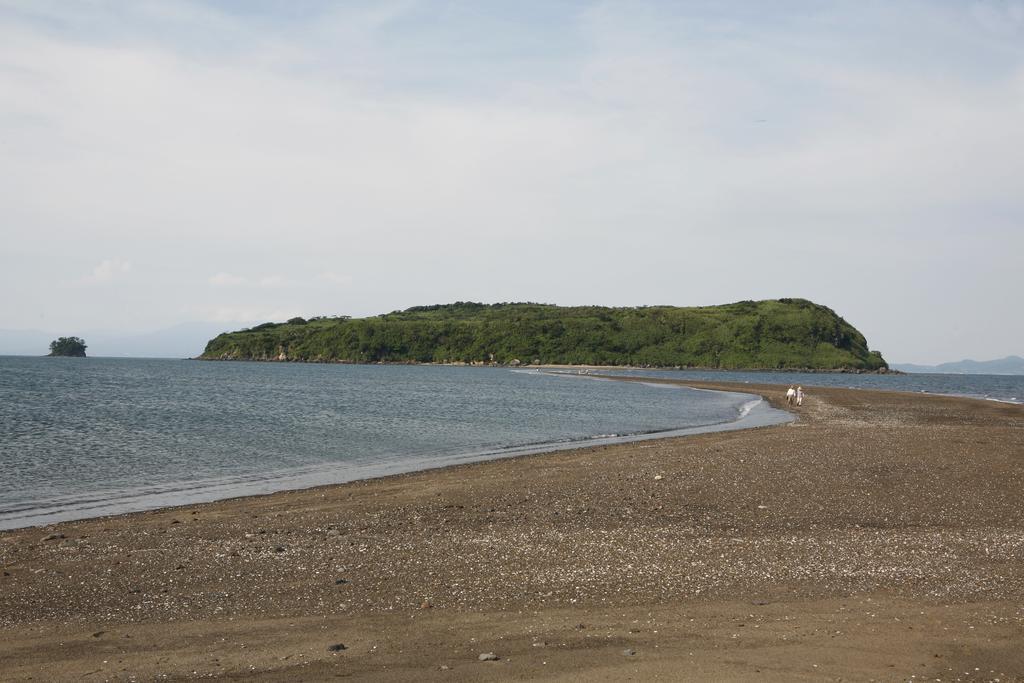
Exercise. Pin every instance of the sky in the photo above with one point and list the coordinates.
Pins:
(223, 163)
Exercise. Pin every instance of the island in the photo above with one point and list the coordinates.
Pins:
(68, 346)
(771, 334)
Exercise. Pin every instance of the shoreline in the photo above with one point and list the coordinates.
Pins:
(881, 536)
(542, 366)
(760, 414)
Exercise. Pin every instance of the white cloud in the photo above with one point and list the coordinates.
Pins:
(107, 271)
(242, 314)
(357, 163)
(266, 281)
(273, 281)
(334, 278)
(226, 280)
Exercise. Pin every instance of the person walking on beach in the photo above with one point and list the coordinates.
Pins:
(790, 395)
(799, 396)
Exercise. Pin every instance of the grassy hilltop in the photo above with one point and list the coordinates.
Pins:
(783, 333)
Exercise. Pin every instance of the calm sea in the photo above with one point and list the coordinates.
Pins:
(95, 436)
(1007, 388)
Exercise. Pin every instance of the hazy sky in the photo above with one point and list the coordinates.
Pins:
(165, 162)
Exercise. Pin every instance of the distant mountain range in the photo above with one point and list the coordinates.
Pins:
(1011, 365)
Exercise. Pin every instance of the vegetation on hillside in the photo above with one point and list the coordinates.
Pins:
(68, 346)
(783, 333)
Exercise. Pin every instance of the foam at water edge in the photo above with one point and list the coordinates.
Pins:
(749, 405)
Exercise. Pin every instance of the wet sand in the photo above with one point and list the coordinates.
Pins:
(880, 536)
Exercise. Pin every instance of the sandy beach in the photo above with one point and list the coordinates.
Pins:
(878, 537)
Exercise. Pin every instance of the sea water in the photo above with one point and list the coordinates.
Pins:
(85, 437)
(1003, 388)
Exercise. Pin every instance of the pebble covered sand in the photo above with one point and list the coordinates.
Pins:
(880, 536)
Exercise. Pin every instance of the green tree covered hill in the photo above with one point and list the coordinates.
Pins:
(68, 346)
(783, 333)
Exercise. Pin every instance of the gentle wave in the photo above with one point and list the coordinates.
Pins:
(750, 405)
(104, 436)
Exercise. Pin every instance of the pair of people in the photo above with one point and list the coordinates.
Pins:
(795, 396)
